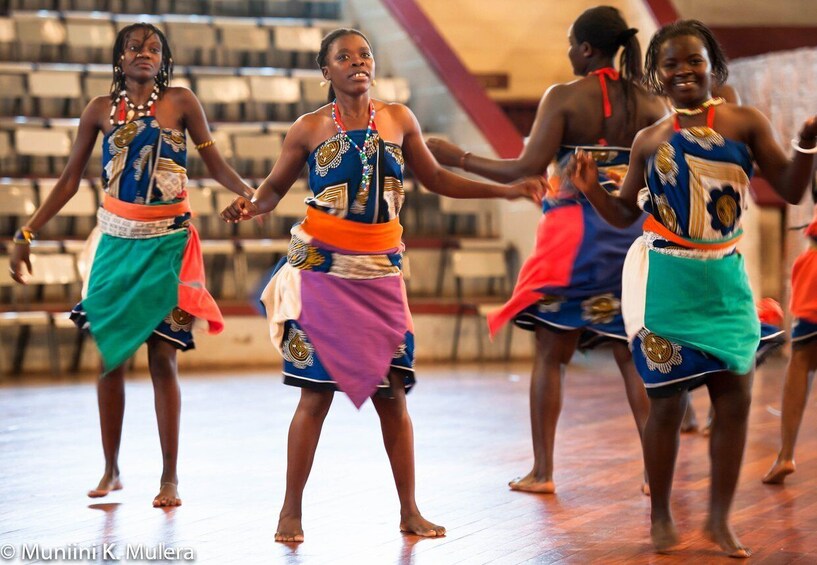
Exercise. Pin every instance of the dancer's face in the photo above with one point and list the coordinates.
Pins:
(685, 71)
(349, 64)
(142, 56)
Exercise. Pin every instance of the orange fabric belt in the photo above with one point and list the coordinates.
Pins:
(354, 236)
(653, 225)
(142, 212)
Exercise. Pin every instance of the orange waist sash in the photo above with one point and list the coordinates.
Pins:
(143, 212)
(653, 225)
(354, 236)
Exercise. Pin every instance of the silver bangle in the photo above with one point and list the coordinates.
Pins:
(795, 143)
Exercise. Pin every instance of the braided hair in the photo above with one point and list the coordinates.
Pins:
(327, 42)
(166, 70)
(604, 28)
(717, 57)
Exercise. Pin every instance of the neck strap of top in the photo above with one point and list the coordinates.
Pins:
(710, 118)
(612, 74)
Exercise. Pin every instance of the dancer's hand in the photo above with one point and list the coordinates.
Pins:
(241, 209)
(533, 188)
(808, 133)
(445, 152)
(20, 255)
(583, 172)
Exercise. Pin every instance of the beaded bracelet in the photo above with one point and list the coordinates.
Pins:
(24, 236)
(201, 146)
(795, 143)
(462, 159)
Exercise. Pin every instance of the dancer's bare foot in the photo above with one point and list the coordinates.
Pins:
(529, 483)
(723, 535)
(107, 484)
(168, 496)
(645, 488)
(664, 535)
(779, 471)
(289, 530)
(419, 526)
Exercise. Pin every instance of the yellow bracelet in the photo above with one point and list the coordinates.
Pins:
(201, 146)
(24, 236)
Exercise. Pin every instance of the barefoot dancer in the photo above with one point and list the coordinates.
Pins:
(147, 281)
(337, 308)
(803, 362)
(572, 282)
(687, 304)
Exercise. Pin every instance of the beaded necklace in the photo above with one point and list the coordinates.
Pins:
(361, 151)
(698, 109)
(133, 111)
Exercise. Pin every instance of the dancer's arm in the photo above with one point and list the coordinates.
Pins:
(90, 124)
(285, 172)
(195, 121)
(437, 179)
(542, 145)
(789, 177)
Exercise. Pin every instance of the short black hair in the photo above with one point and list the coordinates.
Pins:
(717, 57)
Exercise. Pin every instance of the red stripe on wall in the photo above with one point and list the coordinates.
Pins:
(663, 12)
(747, 41)
(484, 112)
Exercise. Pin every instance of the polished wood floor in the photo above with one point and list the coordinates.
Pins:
(472, 436)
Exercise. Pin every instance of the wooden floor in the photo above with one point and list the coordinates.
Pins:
(472, 436)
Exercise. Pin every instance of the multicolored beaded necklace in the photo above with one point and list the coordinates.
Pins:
(133, 111)
(371, 129)
(698, 109)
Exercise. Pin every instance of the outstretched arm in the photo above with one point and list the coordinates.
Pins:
(620, 210)
(196, 123)
(789, 177)
(546, 134)
(90, 123)
(285, 172)
(437, 179)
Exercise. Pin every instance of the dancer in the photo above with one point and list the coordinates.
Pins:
(688, 308)
(146, 283)
(337, 308)
(572, 282)
(803, 362)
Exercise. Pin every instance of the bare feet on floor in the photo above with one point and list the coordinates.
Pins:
(529, 483)
(779, 471)
(664, 536)
(107, 484)
(168, 496)
(727, 540)
(419, 526)
(289, 530)
(645, 488)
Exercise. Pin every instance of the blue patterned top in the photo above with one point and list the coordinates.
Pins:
(128, 162)
(697, 184)
(335, 173)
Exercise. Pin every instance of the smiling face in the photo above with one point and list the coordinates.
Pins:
(349, 64)
(142, 55)
(685, 71)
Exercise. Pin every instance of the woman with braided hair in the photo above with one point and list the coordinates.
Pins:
(146, 283)
(572, 282)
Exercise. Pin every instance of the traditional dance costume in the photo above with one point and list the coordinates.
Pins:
(803, 295)
(147, 273)
(573, 278)
(337, 306)
(687, 304)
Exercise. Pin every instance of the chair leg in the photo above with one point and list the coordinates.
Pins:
(508, 341)
(53, 349)
(480, 352)
(23, 334)
(457, 329)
